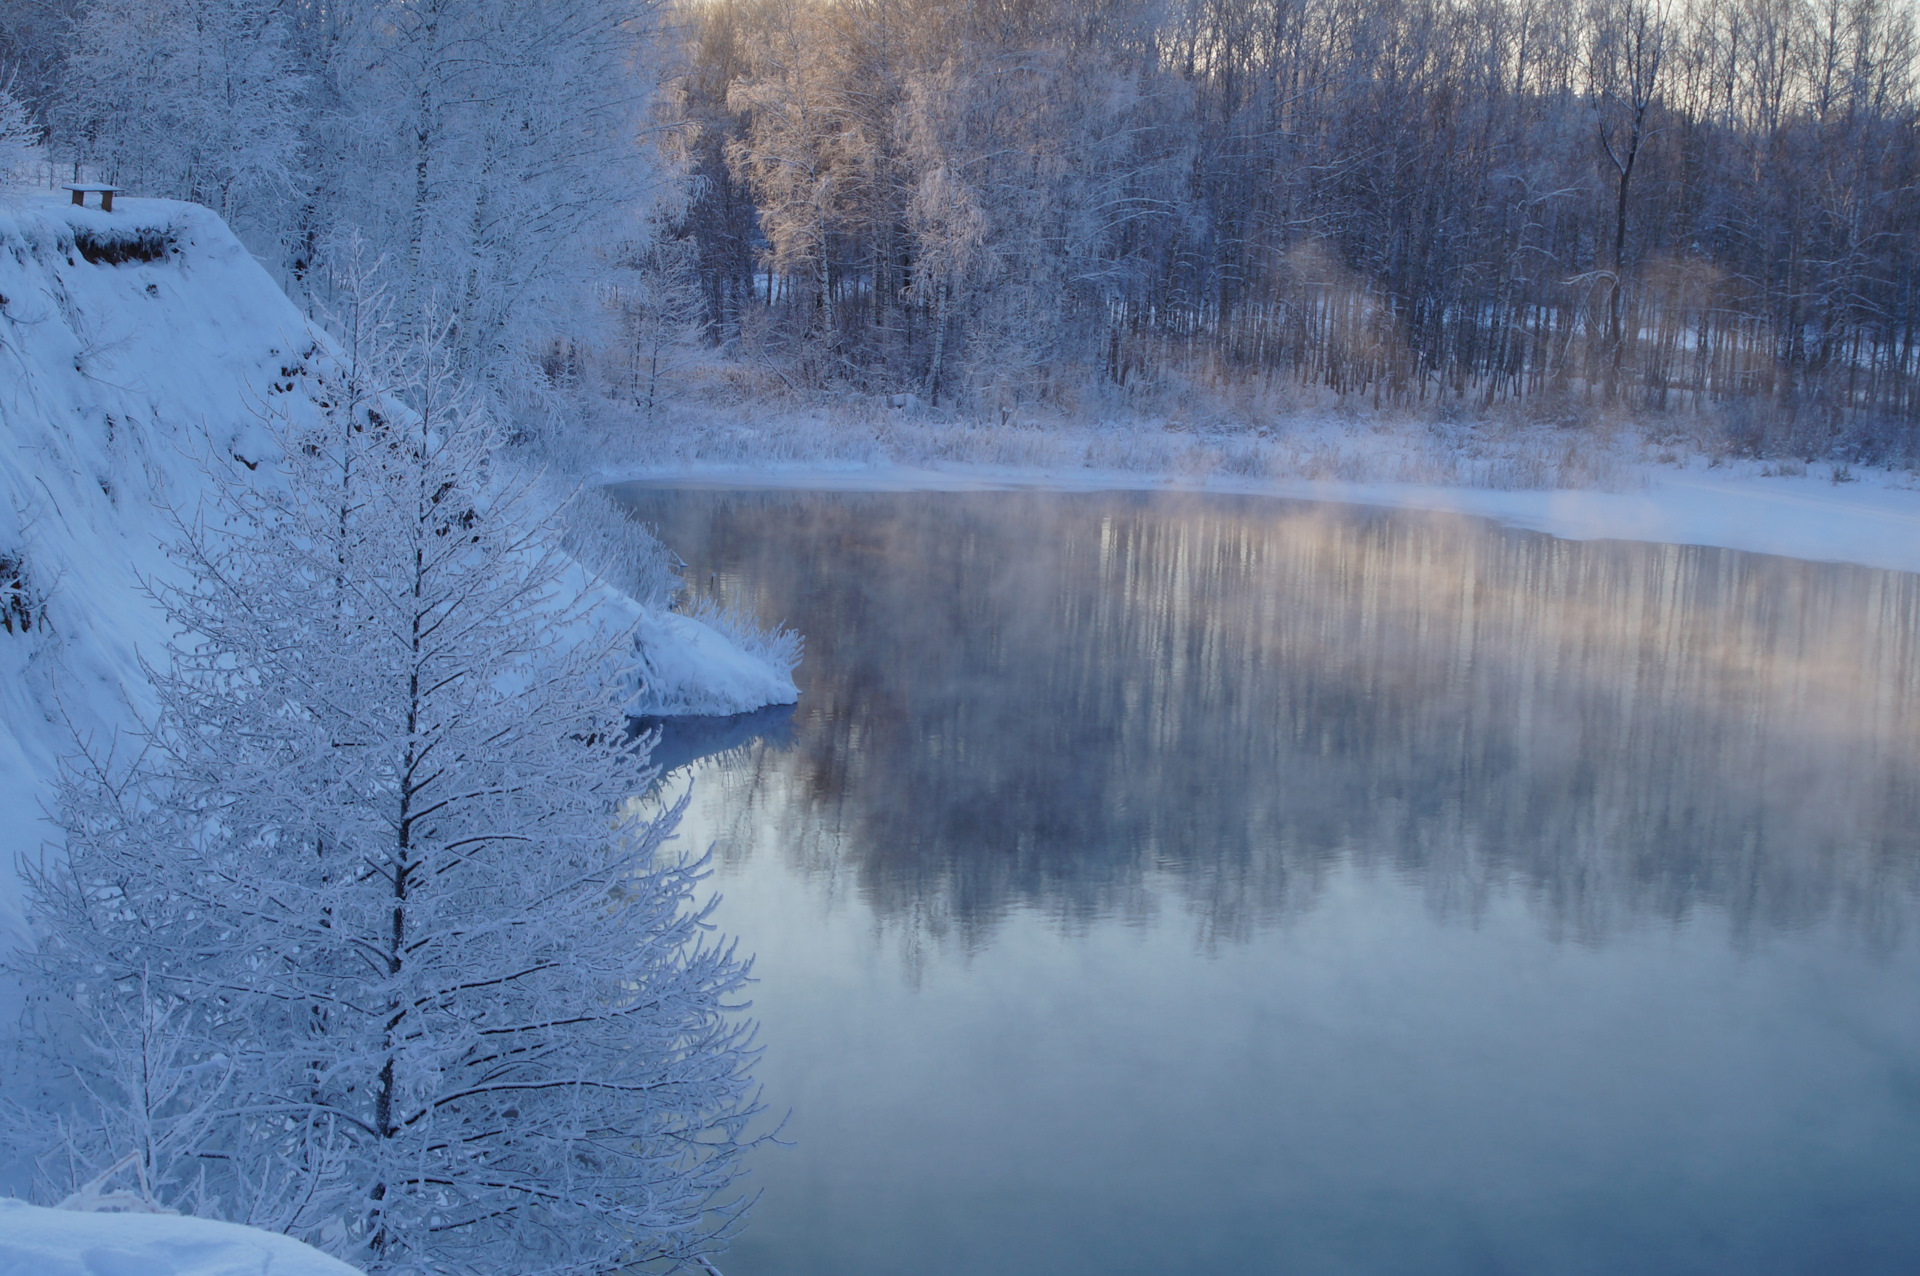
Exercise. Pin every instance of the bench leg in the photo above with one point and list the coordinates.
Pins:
(106, 201)
(79, 200)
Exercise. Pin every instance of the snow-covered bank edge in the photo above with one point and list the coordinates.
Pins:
(55, 1242)
(1872, 520)
(133, 346)
(688, 668)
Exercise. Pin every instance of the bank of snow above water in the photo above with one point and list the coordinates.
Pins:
(47, 1242)
(134, 345)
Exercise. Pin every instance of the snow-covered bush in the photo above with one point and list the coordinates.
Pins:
(423, 983)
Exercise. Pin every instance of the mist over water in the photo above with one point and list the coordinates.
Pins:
(1146, 882)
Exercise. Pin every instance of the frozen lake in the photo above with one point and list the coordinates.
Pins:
(1153, 884)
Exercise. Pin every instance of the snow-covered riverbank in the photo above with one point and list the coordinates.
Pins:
(136, 348)
(1871, 519)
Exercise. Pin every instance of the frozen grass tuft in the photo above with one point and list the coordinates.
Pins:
(620, 549)
(777, 645)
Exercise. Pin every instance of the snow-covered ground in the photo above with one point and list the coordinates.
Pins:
(134, 345)
(51, 1242)
(1588, 473)
(1872, 518)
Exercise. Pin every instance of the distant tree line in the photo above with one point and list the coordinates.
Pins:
(1661, 204)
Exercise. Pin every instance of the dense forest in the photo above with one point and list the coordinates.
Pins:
(1685, 206)
(1663, 204)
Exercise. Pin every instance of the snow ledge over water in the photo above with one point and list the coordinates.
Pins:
(52, 1242)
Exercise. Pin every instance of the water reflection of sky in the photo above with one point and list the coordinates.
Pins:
(1159, 883)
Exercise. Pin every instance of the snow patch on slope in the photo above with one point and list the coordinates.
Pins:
(51, 1242)
(113, 379)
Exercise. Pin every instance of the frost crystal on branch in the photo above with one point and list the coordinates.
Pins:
(436, 990)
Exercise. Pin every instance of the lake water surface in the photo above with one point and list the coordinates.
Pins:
(1156, 884)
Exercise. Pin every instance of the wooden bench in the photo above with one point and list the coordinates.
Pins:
(82, 189)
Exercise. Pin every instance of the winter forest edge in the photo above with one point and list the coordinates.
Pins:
(1692, 219)
(1520, 238)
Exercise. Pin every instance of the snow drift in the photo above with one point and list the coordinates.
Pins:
(134, 347)
(50, 1242)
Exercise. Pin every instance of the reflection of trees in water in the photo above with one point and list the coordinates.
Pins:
(1071, 701)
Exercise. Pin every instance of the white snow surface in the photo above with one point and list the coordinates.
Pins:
(114, 381)
(687, 667)
(35, 1241)
(1872, 520)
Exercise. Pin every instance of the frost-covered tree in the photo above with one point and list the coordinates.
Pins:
(187, 99)
(423, 982)
(794, 155)
(19, 139)
(496, 151)
(492, 150)
(1043, 170)
(1656, 203)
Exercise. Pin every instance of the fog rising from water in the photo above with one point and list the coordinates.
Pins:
(1070, 702)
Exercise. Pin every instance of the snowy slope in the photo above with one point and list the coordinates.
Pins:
(132, 344)
(45, 1242)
